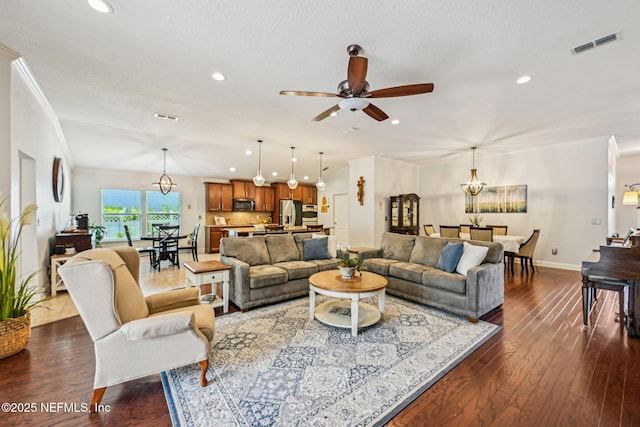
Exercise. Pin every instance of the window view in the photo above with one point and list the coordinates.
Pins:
(126, 207)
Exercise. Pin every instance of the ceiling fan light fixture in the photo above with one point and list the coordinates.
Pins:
(473, 186)
(258, 180)
(320, 185)
(292, 183)
(353, 104)
(165, 183)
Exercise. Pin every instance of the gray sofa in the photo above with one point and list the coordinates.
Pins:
(410, 265)
(270, 268)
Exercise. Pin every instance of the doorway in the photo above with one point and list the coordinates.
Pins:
(341, 218)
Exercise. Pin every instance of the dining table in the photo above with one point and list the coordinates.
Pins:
(510, 242)
(163, 253)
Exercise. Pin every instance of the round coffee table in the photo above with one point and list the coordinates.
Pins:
(348, 312)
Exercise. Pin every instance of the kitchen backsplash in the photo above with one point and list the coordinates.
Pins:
(240, 218)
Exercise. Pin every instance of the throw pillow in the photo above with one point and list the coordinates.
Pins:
(450, 256)
(316, 249)
(331, 243)
(472, 256)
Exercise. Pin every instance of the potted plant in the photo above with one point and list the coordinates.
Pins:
(98, 232)
(348, 266)
(15, 301)
(69, 248)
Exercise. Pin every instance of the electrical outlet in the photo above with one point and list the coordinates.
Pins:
(554, 251)
(596, 221)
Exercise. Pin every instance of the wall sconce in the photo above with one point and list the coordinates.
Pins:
(630, 196)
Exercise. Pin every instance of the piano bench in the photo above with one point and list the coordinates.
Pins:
(591, 283)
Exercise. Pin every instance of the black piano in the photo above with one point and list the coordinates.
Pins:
(614, 268)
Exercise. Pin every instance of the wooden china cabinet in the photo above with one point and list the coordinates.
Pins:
(404, 214)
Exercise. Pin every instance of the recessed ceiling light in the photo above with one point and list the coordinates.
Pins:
(274, 173)
(523, 79)
(232, 169)
(218, 76)
(100, 6)
(247, 152)
(395, 121)
(306, 178)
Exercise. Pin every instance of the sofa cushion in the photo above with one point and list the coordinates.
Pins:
(262, 276)
(472, 256)
(298, 269)
(452, 282)
(326, 264)
(450, 256)
(379, 265)
(331, 243)
(299, 238)
(252, 250)
(315, 249)
(282, 248)
(397, 246)
(426, 250)
(408, 271)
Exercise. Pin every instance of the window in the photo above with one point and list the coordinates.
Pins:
(120, 207)
(125, 207)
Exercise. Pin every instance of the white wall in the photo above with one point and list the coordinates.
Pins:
(567, 188)
(337, 183)
(35, 131)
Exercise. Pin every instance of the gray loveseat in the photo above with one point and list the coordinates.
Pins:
(270, 268)
(410, 265)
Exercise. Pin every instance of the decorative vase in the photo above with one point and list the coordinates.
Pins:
(347, 272)
(14, 335)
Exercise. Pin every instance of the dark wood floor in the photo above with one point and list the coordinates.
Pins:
(543, 369)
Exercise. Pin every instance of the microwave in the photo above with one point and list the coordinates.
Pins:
(244, 205)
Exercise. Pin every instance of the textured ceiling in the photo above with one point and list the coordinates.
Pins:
(106, 75)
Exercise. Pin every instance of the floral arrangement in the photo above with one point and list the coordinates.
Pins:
(14, 301)
(475, 220)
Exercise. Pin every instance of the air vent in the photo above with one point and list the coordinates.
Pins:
(596, 43)
(167, 117)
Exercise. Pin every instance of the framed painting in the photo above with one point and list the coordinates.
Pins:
(505, 199)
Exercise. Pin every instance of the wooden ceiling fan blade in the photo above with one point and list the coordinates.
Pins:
(326, 113)
(401, 91)
(375, 113)
(357, 73)
(305, 93)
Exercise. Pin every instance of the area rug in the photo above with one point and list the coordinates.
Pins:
(275, 367)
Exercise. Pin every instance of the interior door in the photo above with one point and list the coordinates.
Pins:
(341, 218)
(29, 238)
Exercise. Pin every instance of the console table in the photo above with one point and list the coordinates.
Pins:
(56, 281)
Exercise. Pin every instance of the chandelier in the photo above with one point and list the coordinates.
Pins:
(292, 183)
(165, 183)
(258, 180)
(473, 185)
(320, 185)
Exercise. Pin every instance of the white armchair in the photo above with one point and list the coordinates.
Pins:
(135, 336)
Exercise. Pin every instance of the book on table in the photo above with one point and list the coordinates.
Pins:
(343, 311)
(208, 297)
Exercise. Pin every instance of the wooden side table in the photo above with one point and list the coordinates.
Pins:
(56, 281)
(214, 272)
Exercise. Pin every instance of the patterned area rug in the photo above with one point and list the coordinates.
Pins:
(275, 367)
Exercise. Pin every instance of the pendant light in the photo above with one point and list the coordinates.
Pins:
(165, 183)
(292, 183)
(474, 186)
(630, 197)
(320, 185)
(258, 180)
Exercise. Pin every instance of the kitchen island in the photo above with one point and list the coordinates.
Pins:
(244, 231)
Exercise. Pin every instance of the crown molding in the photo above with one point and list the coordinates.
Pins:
(8, 54)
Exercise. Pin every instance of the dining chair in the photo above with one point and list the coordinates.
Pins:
(484, 234)
(449, 231)
(155, 228)
(315, 227)
(525, 253)
(142, 251)
(165, 246)
(499, 230)
(192, 245)
(429, 229)
(465, 228)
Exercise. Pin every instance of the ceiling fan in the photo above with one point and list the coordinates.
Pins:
(355, 90)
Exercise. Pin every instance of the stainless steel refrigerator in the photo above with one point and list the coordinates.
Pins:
(290, 212)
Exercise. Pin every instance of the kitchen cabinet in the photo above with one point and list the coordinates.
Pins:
(309, 195)
(243, 189)
(404, 214)
(219, 197)
(284, 192)
(212, 239)
(265, 199)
